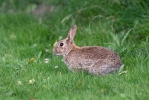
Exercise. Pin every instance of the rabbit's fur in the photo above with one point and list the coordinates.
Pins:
(94, 59)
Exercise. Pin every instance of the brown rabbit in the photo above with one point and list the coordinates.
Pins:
(94, 59)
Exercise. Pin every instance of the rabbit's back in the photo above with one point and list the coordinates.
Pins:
(93, 59)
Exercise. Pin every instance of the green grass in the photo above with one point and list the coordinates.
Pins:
(24, 36)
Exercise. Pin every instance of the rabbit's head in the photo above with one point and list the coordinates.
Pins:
(63, 47)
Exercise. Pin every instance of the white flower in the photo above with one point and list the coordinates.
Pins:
(56, 66)
(19, 82)
(31, 81)
(47, 50)
(46, 60)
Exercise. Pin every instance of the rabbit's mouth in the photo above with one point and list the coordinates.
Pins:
(56, 52)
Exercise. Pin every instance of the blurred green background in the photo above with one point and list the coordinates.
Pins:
(30, 28)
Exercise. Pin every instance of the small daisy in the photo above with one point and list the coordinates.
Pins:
(46, 60)
(31, 81)
(19, 82)
(56, 66)
(47, 50)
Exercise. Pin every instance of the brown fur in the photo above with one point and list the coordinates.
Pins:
(94, 59)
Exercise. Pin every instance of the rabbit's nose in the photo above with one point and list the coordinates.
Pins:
(55, 51)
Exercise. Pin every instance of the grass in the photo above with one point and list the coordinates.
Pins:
(27, 38)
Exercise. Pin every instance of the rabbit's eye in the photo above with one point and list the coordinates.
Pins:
(61, 44)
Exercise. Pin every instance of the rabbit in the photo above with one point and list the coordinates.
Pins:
(93, 59)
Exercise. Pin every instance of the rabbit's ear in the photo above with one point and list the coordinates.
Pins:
(72, 33)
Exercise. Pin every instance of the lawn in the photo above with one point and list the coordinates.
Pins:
(29, 29)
